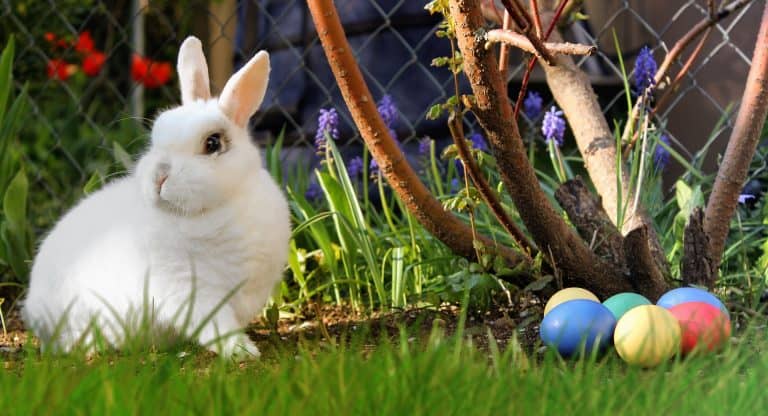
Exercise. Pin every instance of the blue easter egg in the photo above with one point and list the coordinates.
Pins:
(575, 323)
(690, 294)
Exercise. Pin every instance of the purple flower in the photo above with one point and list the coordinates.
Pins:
(645, 70)
(424, 146)
(459, 167)
(532, 105)
(355, 166)
(478, 142)
(388, 110)
(744, 198)
(373, 168)
(327, 122)
(553, 126)
(455, 185)
(661, 154)
(313, 191)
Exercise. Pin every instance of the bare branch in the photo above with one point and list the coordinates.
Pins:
(457, 132)
(521, 42)
(577, 262)
(525, 25)
(741, 147)
(392, 163)
(677, 49)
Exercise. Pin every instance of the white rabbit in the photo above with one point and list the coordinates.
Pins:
(197, 220)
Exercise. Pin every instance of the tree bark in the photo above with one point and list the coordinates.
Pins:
(579, 265)
(741, 148)
(392, 163)
(572, 90)
(696, 265)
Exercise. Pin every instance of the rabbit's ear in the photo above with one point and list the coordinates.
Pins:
(244, 92)
(193, 71)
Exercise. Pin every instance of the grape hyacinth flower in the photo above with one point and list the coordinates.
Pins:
(661, 154)
(355, 166)
(645, 70)
(478, 142)
(424, 146)
(532, 105)
(327, 122)
(744, 198)
(455, 185)
(553, 126)
(373, 168)
(388, 111)
(313, 191)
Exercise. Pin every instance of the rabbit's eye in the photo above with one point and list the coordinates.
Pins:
(213, 144)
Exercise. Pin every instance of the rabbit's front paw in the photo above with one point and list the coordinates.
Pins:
(239, 347)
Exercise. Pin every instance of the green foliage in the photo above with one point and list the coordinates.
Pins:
(15, 232)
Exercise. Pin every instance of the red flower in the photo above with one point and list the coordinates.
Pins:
(93, 62)
(50, 37)
(60, 69)
(84, 43)
(152, 74)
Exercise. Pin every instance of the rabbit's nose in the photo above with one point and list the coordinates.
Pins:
(161, 174)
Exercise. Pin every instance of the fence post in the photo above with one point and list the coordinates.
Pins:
(221, 36)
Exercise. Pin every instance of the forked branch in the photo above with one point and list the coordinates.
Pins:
(392, 163)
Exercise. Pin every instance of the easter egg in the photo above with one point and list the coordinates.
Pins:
(567, 294)
(702, 325)
(647, 335)
(690, 294)
(620, 303)
(575, 324)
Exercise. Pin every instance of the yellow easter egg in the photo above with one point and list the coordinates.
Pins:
(569, 293)
(647, 336)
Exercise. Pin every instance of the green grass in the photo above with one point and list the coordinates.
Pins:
(437, 377)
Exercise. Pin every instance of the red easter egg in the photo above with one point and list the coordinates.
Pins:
(702, 325)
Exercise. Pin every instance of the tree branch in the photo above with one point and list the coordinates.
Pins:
(521, 42)
(677, 49)
(579, 265)
(392, 163)
(457, 132)
(741, 147)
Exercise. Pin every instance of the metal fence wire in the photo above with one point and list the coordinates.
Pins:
(78, 112)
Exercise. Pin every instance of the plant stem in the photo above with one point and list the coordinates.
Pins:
(741, 147)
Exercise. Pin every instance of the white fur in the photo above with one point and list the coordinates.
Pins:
(217, 222)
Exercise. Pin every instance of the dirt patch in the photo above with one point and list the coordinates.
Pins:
(318, 325)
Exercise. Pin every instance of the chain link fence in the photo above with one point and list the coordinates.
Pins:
(84, 114)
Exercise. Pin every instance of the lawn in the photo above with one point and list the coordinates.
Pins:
(444, 374)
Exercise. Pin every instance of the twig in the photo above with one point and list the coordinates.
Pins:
(678, 49)
(534, 7)
(524, 24)
(579, 265)
(519, 41)
(532, 62)
(741, 147)
(504, 49)
(457, 132)
(392, 163)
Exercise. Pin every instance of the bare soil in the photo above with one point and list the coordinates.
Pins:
(325, 325)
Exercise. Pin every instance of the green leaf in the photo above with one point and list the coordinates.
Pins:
(434, 112)
(94, 183)
(15, 252)
(122, 156)
(15, 203)
(6, 74)
(683, 194)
